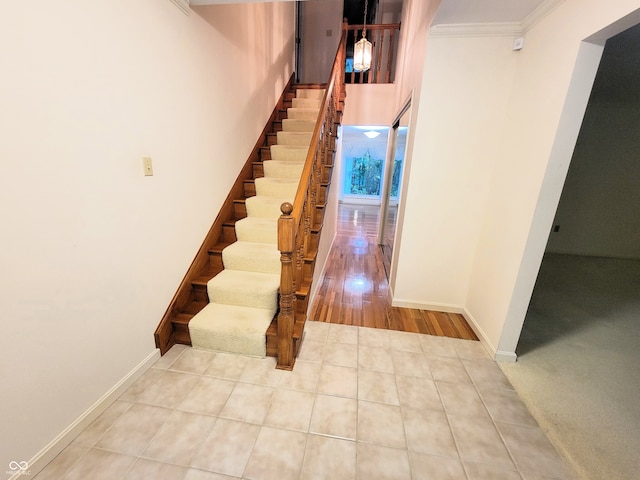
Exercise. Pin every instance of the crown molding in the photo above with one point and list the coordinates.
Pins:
(476, 29)
(544, 9)
(496, 29)
(183, 5)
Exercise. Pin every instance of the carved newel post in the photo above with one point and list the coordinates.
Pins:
(286, 317)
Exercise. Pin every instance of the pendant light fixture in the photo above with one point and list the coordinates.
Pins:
(362, 49)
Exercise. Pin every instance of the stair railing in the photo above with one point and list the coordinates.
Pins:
(299, 219)
(383, 56)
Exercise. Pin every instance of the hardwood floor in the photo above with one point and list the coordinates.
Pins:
(355, 291)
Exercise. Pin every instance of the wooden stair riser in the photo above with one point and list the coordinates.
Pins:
(322, 193)
(193, 307)
(302, 303)
(181, 329)
(200, 291)
(318, 217)
(272, 139)
(215, 261)
(249, 188)
(314, 239)
(326, 174)
(272, 335)
(272, 346)
(229, 232)
(239, 209)
(265, 154)
(308, 266)
(258, 170)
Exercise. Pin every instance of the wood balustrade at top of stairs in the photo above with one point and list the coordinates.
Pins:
(247, 290)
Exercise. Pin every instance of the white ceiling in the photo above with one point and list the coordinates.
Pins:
(484, 11)
(455, 11)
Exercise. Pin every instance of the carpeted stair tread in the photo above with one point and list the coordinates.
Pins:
(252, 257)
(283, 169)
(248, 289)
(290, 153)
(303, 113)
(293, 125)
(306, 103)
(256, 229)
(231, 328)
(310, 93)
(276, 186)
(294, 138)
(265, 207)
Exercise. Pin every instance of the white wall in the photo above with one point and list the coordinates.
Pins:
(463, 103)
(321, 30)
(370, 104)
(494, 137)
(417, 16)
(551, 89)
(93, 251)
(599, 210)
(389, 11)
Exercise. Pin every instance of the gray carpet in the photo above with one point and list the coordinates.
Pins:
(578, 359)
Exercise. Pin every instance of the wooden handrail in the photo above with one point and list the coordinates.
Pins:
(298, 219)
(376, 26)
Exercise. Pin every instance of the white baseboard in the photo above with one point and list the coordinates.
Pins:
(498, 356)
(59, 443)
(501, 356)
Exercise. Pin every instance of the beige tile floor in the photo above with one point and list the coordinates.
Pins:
(361, 404)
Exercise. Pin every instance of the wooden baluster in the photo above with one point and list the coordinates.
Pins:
(382, 39)
(300, 245)
(286, 317)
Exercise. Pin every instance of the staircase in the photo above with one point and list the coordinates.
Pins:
(228, 300)
(247, 289)
(243, 297)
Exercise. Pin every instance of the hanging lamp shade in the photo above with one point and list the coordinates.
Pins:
(362, 55)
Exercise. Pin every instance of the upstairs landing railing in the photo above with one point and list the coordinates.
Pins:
(384, 39)
(301, 220)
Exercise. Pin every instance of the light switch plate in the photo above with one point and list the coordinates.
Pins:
(148, 166)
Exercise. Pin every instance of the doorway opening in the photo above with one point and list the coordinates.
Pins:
(580, 342)
(364, 152)
(392, 186)
(598, 215)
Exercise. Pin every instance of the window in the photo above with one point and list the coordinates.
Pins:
(363, 175)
